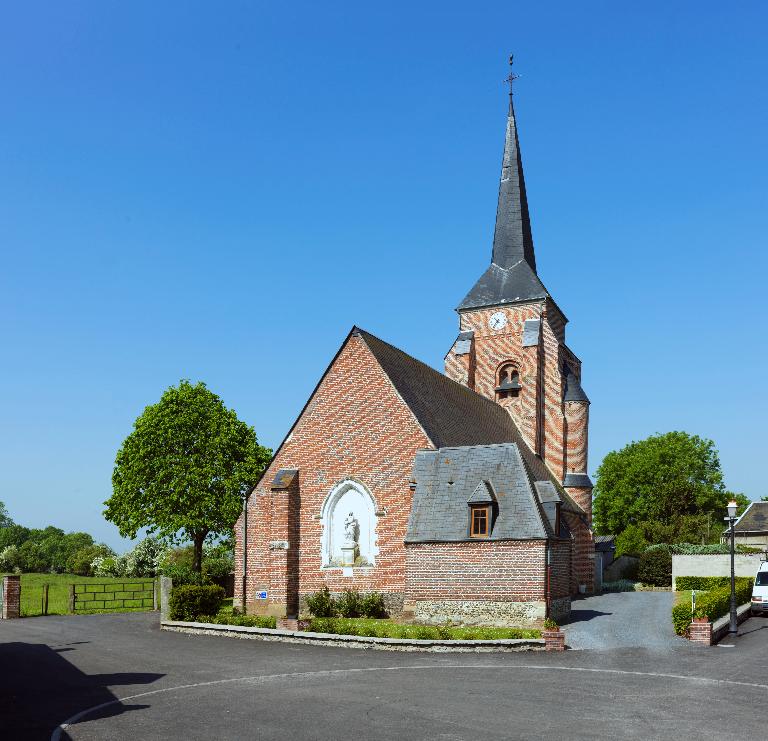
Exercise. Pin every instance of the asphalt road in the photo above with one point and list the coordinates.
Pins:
(148, 684)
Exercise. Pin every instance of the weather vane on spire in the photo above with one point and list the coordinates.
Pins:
(512, 76)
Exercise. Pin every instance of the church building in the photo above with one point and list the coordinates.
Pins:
(461, 496)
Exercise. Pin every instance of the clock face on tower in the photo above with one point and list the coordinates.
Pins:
(497, 320)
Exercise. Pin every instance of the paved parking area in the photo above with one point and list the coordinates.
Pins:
(623, 620)
(142, 683)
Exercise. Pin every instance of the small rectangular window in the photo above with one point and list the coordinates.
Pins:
(480, 523)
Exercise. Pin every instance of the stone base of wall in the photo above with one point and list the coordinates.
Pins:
(560, 609)
(476, 612)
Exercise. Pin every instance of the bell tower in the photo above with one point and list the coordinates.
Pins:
(511, 343)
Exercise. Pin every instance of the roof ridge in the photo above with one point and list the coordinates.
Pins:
(437, 373)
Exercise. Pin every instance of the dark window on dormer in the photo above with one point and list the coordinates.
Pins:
(508, 382)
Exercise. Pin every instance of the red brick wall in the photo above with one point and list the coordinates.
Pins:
(356, 426)
(560, 569)
(583, 553)
(504, 571)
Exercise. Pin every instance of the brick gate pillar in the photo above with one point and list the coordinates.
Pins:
(284, 544)
(11, 597)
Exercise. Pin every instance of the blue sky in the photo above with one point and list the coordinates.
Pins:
(219, 191)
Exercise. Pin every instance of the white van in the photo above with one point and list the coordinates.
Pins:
(760, 591)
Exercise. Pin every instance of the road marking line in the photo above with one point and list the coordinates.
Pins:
(263, 678)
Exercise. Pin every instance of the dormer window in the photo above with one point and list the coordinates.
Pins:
(480, 521)
(481, 510)
(508, 381)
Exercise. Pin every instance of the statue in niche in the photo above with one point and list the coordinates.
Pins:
(351, 529)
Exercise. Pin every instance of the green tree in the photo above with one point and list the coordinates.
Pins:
(631, 541)
(184, 469)
(13, 535)
(659, 479)
(5, 518)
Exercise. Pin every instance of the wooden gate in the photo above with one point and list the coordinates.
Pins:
(126, 595)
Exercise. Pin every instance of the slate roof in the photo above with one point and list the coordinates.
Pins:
(498, 286)
(754, 519)
(446, 479)
(511, 277)
(453, 415)
(573, 389)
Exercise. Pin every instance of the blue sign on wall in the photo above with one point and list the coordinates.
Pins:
(261, 595)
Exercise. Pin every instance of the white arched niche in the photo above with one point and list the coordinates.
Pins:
(347, 497)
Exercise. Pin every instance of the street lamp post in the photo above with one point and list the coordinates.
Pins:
(731, 520)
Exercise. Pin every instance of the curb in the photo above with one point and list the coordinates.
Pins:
(367, 642)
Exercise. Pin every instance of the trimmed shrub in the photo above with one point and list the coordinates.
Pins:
(683, 583)
(372, 605)
(189, 601)
(713, 604)
(655, 567)
(349, 604)
(321, 604)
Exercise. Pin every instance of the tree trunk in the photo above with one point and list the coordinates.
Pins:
(197, 563)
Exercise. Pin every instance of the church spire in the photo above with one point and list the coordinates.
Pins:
(512, 240)
(511, 277)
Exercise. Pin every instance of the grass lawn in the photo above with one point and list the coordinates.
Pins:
(58, 592)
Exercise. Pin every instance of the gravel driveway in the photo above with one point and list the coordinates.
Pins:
(623, 620)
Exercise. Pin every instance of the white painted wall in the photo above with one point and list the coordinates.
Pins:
(720, 565)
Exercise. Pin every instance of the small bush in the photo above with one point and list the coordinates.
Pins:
(372, 605)
(655, 567)
(622, 585)
(189, 601)
(349, 604)
(321, 604)
(550, 624)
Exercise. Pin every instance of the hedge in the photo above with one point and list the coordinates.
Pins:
(655, 568)
(189, 601)
(683, 583)
(712, 604)
(388, 629)
(695, 549)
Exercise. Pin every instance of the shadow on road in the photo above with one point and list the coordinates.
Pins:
(581, 616)
(39, 689)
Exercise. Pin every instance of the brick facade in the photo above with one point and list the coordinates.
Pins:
(485, 582)
(555, 429)
(354, 426)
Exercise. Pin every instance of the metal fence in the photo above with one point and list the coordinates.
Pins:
(114, 596)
